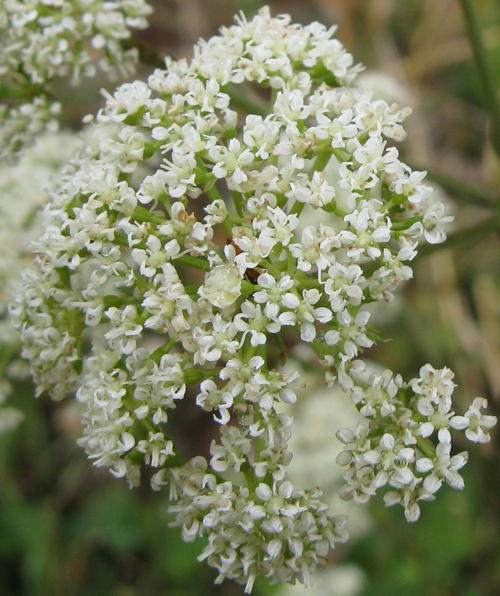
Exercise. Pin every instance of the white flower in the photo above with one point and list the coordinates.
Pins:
(479, 423)
(433, 219)
(409, 184)
(441, 418)
(316, 247)
(228, 161)
(316, 192)
(443, 468)
(210, 398)
(251, 320)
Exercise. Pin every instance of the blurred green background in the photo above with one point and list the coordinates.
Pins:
(67, 529)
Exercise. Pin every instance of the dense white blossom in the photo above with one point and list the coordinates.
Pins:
(178, 261)
(44, 39)
(22, 194)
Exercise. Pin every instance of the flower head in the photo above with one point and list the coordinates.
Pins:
(42, 40)
(180, 252)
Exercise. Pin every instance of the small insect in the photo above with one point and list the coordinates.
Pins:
(251, 274)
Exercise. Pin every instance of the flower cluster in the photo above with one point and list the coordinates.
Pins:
(274, 530)
(44, 39)
(22, 193)
(180, 261)
(391, 448)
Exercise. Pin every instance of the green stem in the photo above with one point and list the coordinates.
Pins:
(319, 348)
(194, 262)
(320, 163)
(162, 350)
(426, 448)
(238, 202)
(306, 283)
(144, 215)
(297, 208)
(193, 376)
(332, 207)
(213, 194)
(247, 470)
(248, 287)
(400, 226)
(192, 291)
(273, 269)
(485, 70)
